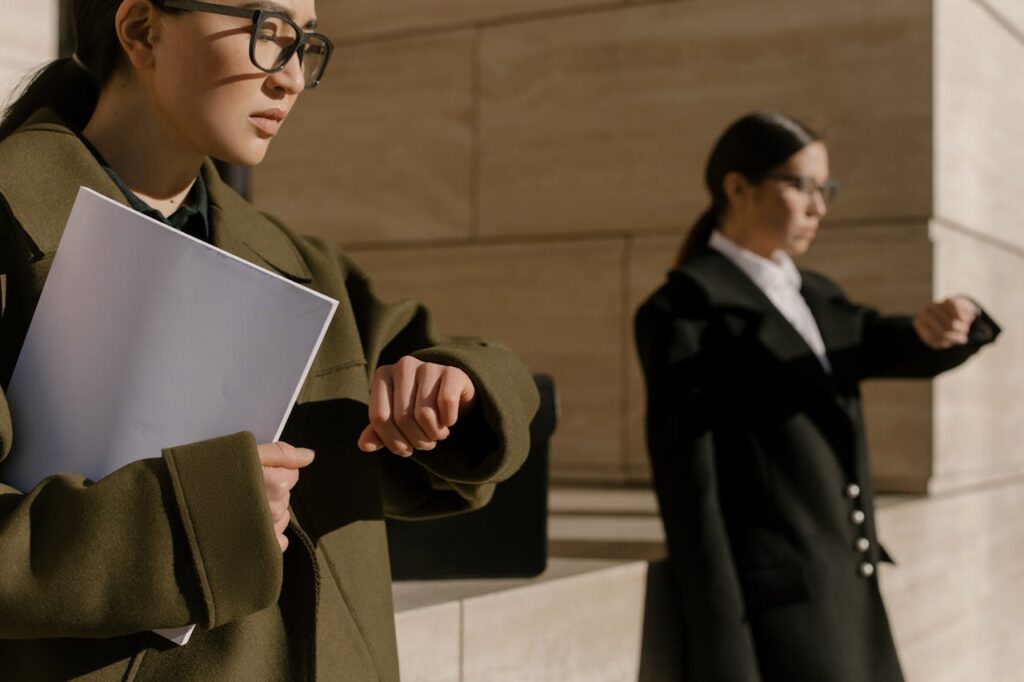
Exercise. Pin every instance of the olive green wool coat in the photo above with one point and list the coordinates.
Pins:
(87, 569)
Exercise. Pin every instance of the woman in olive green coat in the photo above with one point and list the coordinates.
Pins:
(279, 556)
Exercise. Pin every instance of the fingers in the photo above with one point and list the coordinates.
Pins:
(413, 404)
(284, 455)
(369, 441)
(940, 326)
(953, 328)
(967, 310)
(426, 410)
(455, 392)
(382, 412)
(955, 316)
(281, 463)
(281, 524)
(405, 380)
(279, 483)
(926, 331)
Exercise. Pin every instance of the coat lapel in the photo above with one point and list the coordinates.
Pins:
(44, 165)
(728, 287)
(46, 153)
(839, 330)
(238, 228)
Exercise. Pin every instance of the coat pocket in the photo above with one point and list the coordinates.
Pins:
(771, 586)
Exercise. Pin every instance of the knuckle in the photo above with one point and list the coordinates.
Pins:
(404, 420)
(425, 414)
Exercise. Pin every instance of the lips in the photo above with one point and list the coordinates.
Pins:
(268, 122)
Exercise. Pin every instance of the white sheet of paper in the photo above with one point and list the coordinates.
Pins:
(145, 338)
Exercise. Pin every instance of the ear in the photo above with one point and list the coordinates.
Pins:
(736, 188)
(137, 23)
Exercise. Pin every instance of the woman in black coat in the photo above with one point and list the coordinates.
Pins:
(755, 429)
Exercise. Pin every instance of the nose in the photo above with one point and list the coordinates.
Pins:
(291, 78)
(817, 205)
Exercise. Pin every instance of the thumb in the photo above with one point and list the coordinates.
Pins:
(284, 455)
(369, 441)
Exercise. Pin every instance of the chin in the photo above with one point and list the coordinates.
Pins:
(799, 247)
(251, 155)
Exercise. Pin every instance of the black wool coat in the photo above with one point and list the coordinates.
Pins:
(760, 466)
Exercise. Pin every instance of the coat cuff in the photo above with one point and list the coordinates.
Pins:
(218, 485)
(491, 442)
(984, 329)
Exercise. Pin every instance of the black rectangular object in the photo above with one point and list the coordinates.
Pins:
(505, 539)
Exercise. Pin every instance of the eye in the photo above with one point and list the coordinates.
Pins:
(806, 184)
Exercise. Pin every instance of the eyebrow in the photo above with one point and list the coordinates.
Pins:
(280, 9)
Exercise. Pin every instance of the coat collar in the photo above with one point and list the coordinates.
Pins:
(238, 228)
(45, 157)
(727, 287)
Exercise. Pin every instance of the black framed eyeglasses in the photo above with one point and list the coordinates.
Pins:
(275, 38)
(809, 186)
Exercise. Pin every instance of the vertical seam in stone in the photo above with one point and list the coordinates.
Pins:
(462, 640)
(475, 136)
(626, 341)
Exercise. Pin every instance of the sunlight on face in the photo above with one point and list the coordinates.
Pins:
(210, 92)
(786, 215)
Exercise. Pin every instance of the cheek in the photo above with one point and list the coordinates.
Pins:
(210, 92)
(778, 213)
(792, 210)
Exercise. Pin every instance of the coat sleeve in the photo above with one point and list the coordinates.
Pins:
(683, 461)
(186, 538)
(486, 446)
(165, 542)
(891, 348)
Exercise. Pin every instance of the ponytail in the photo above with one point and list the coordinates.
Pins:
(697, 240)
(64, 85)
(752, 147)
(72, 85)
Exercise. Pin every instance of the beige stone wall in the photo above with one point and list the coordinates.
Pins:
(28, 38)
(528, 167)
(978, 232)
(955, 597)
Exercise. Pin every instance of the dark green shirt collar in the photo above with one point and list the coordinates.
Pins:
(192, 218)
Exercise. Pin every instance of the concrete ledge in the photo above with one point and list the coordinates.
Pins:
(580, 620)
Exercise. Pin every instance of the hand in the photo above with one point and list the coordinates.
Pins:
(413, 405)
(281, 463)
(946, 324)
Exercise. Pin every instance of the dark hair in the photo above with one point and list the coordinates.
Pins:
(752, 146)
(73, 87)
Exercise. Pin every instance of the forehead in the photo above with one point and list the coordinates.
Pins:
(811, 160)
(302, 12)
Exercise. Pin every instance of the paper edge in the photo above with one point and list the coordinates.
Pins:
(182, 635)
(309, 365)
(207, 245)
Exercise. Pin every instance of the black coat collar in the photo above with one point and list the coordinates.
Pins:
(728, 289)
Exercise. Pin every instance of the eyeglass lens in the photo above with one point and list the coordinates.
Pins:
(274, 43)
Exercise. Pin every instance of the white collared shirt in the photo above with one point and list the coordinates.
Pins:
(780, 281)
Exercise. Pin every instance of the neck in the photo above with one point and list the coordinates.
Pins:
(148, 155)
(746, 238)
